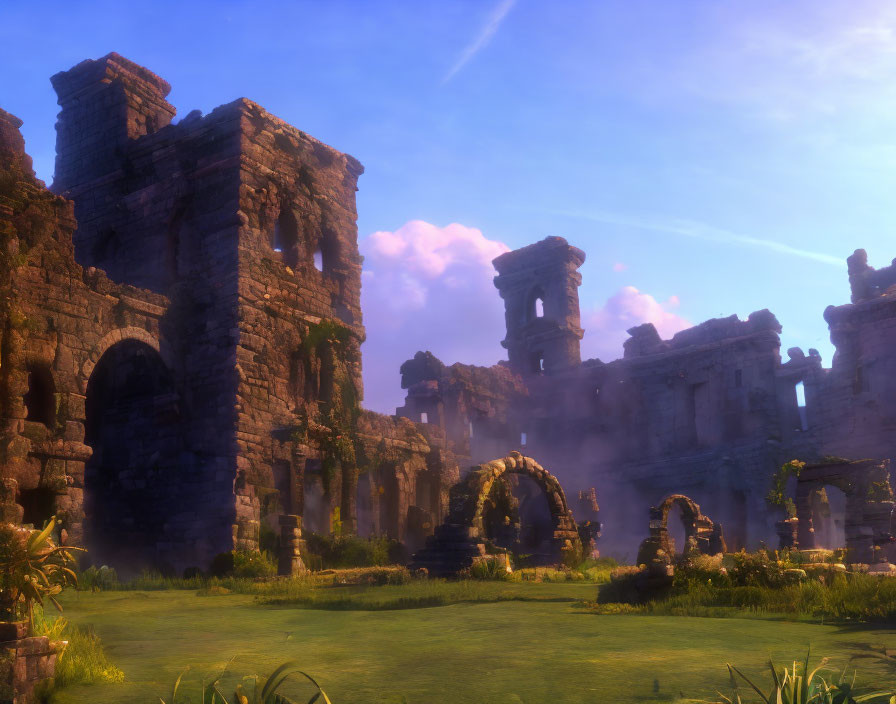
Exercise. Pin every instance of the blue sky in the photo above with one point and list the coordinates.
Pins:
(710, 157)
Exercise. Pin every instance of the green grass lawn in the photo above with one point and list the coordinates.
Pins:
(537, 652)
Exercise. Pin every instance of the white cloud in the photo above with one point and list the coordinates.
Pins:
(427, 287)
(482, 39)
(605, 327)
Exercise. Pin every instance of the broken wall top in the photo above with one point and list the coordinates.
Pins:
(547, 251)
(645, 340)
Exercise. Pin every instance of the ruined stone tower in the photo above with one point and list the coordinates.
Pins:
(180, 361)
(539, 285)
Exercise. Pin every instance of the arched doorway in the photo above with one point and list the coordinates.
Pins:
(135, 481)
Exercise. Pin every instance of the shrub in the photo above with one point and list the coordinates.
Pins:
(247, 564)
(755, 569)
(334, 551)
(252, 564)
(97, 579)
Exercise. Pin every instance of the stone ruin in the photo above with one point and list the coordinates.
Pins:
(701, 534)
(466, 536)
(180, 333)
(712, 412)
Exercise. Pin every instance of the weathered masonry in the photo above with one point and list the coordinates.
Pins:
(181, 332)
(710, 413)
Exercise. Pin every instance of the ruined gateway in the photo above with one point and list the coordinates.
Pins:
(180, 333)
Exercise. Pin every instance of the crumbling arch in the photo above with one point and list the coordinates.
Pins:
(461, 539)
(700, 532)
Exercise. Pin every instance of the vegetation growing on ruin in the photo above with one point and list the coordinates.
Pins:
(777, 495)
(332, 426)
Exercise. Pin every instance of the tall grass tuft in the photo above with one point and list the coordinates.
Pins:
(83, 661)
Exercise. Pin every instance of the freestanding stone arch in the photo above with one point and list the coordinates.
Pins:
(698, 529)
(461, 539)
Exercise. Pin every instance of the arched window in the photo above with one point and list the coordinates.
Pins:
(538, 362)
(534, 305)
(286, 237)
(40, 399)
(318, 259)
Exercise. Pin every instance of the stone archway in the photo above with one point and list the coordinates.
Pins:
(136, 483)
(461, 539)
(699, 530)
(869, 504)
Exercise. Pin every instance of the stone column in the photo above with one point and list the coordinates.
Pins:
(805, 528)
(291, 543)
(787, 531)
(24, 662)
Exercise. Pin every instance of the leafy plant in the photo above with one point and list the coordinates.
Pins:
(799, 685)
(32, 568)
(264, 690)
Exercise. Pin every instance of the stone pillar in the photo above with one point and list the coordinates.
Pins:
(290, 562)
(787, 531)
(24, 662)
(805, 527)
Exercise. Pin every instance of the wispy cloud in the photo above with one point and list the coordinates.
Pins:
(482, 39)
(702, 231)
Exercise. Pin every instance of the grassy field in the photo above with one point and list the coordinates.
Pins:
(543, 650)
